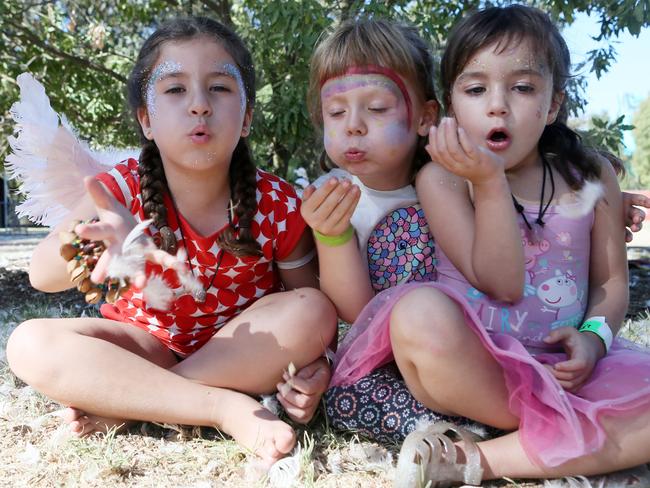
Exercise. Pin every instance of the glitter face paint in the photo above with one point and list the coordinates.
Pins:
(232, 70)
(508, 89)
(368, 128)
(163, 69)
(379, 73)
(393, 131)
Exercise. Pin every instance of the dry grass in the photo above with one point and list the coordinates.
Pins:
(38, 451)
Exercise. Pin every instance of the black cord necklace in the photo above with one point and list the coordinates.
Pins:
(201, 295)
(536, 231)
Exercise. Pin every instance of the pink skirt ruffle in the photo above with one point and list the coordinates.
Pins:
(555, 425)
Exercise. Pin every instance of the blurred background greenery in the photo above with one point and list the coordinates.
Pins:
(82, 53)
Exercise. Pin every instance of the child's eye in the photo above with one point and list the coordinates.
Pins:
(219, 88)
(335, 113)
(524, 88)
(175, 89)
(475, 90)
(377, 110)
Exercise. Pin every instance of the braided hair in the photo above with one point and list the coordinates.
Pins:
(242, 172)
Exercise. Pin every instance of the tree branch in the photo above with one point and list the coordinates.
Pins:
(29, 36)
(222, 9)
(173, 3)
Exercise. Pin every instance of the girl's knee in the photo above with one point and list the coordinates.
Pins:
(428, 317)
(26, 343)
(314, 315)
(316, 309)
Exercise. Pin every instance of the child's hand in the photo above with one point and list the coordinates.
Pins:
(308, 385)
(583, 349)
(115, 223)
(329, 208)
(450, 147)
(634, 216)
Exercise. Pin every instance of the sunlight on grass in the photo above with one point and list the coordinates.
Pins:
(38, 450)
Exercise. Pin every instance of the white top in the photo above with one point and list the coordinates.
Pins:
(373, 205)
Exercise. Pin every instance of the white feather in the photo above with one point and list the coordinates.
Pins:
(190, 283)
(137, 236)
(585, 200)
(48, 158)
(569, 482)
(270, 402)
(285, 472)
(126, 265)
(157, 294)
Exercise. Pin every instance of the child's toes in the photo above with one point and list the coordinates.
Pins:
(278, 445)
(285, 440)
(70, 414)
(81, 426)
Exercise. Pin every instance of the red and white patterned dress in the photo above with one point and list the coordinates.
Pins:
(239, 282)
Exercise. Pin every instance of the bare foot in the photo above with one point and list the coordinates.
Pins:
(82, 425)
(255, 428)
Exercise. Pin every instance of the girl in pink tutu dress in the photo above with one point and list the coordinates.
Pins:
(532, 273)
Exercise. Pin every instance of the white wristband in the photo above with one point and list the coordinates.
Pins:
(598, 325)
(297, 263)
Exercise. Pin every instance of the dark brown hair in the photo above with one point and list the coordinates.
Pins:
(363, 42)
(502, 27)
(242, 172)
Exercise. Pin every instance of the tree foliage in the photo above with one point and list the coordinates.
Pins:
(641, 158)
(82, 53)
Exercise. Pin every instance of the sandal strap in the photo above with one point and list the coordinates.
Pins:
(430, 455)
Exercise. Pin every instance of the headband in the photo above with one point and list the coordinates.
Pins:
(378, 70)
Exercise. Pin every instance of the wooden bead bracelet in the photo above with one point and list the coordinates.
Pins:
(82, 256)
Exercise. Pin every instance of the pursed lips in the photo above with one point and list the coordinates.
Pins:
(200, 134)
(355, 154)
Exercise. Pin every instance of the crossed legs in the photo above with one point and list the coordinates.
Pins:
(113, 372)
(447, 368)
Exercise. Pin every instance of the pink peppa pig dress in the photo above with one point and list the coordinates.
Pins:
(555, 425)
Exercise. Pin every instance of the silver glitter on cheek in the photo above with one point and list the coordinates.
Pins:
(233, 71)
(163, 69)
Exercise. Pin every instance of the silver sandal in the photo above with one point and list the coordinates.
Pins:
(429, 458)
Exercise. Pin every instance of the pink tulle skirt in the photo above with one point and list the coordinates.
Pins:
(555, 425)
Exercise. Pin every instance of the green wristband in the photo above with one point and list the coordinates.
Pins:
(598, 326)
(334, 241)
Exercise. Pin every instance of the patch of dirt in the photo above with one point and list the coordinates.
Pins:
(15, 290)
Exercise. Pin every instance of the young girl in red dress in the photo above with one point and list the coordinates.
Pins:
(197, 361)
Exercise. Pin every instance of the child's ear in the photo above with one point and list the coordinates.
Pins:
(554, 109)
(248, 120)
(430, 113)
(145, 123)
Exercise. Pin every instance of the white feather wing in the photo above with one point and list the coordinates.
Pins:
(49, 158)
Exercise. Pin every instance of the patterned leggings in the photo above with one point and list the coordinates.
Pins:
(380, 407)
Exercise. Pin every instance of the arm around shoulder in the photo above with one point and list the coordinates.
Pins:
(608, 272)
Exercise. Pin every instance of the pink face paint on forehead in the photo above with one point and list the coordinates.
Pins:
(376, 70)
(350, 82)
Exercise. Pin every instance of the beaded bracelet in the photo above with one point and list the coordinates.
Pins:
(338, 240)
(82, 256)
